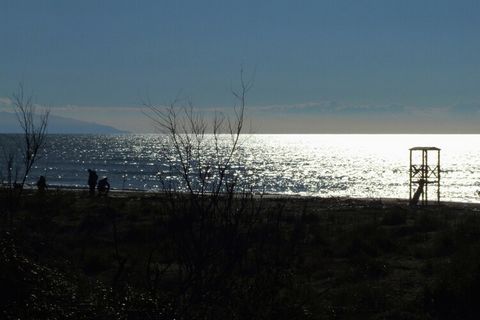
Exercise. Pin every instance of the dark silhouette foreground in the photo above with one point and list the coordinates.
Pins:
(149, 256)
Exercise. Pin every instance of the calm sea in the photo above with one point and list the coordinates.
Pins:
(320, 165)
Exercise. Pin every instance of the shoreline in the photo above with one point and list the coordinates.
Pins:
(329, 200)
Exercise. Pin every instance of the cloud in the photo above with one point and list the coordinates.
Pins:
(330, 108)
(470, 110)
(428, 112)
(5, 104)
(75, 108)
(393, 110)
(466, 109)
(304, 106)
(5, 101)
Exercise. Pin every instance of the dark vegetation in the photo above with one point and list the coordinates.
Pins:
(141, 256)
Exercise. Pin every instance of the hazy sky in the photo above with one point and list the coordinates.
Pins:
(320, 66)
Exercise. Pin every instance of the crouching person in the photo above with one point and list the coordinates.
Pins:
(103, 187)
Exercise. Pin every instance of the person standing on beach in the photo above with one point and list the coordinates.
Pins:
(92, 181)
(42, 184)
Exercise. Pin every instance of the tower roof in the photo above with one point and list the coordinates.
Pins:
(425, 148)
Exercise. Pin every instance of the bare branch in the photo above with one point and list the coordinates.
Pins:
(34, 126)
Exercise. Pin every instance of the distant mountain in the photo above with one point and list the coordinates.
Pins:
(56, 124)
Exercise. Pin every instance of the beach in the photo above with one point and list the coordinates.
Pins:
(323, 258)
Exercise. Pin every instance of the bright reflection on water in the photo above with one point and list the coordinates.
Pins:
(323, 165)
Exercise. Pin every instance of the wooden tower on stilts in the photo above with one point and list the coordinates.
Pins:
(424, 176)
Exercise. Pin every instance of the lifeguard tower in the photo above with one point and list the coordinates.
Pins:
(424, 176)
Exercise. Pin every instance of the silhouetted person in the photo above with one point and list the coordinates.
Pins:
(42, 184)
(103, 186)
(92, 181)
(418, 193)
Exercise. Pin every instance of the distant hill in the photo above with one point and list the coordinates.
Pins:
(56, 124)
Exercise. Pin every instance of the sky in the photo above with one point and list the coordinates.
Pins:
(318, 66)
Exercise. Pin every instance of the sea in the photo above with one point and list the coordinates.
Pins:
(323, 165)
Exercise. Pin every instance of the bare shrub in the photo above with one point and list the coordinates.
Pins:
(34, 130)
(21, 155)
(225, 250)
